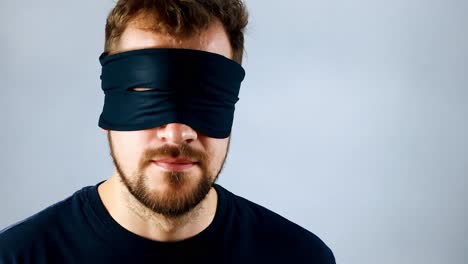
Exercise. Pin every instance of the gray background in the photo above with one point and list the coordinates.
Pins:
(351, 120)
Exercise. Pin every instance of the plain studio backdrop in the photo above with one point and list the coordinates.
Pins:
(352, 119)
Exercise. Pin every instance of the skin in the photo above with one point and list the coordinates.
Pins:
(129, 148)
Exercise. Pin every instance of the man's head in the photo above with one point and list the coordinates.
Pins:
(171, 168)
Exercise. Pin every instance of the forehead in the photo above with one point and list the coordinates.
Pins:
(212, 39)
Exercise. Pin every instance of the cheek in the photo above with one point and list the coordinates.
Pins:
(127, 147)
(217, 152)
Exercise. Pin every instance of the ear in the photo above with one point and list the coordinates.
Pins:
(104, 130)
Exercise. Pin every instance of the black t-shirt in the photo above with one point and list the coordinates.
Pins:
(80, 230)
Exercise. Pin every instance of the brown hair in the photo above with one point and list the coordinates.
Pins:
(179, 18)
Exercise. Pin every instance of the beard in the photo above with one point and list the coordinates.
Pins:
(181, 195)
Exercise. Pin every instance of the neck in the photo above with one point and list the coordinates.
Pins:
(138, 219)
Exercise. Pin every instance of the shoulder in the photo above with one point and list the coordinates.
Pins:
(37, 229)
(276, 232)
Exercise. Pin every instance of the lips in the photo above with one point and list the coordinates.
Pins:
(173, 160)
(175, 164)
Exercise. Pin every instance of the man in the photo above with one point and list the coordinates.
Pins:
(171, 75)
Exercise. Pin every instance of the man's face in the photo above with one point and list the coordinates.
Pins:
(171, 168)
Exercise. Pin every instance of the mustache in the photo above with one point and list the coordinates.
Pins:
(175, 151)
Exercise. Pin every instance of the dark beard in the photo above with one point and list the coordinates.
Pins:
(176, 202)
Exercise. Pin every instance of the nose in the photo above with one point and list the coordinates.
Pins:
(176, 133)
